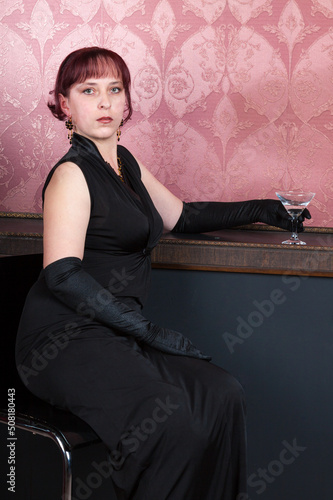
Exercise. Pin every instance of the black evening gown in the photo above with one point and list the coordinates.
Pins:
(174, 425)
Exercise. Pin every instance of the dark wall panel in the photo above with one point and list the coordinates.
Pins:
(275, 334)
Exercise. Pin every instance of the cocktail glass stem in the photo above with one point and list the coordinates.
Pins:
(294, 235)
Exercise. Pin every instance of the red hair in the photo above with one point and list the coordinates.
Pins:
(89, 62)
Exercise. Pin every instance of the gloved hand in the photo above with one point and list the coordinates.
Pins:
(273, 213)
(174, 342)
(202, 216)
(76, 288)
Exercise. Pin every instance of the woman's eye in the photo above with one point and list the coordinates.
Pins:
(115, 90)
(88, 91)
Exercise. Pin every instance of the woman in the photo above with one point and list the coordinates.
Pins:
(172, 421)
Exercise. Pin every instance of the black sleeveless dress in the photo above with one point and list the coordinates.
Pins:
(174, 425)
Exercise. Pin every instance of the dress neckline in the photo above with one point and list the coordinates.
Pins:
(133, 186)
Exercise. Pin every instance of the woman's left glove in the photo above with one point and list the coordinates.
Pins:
(204, 216)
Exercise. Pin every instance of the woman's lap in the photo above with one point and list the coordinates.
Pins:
(146, 404)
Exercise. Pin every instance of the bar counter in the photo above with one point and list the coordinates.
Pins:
(250, 249)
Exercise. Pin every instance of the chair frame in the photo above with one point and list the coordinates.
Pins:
(40, 428)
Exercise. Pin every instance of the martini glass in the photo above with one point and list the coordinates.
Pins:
(294, 202)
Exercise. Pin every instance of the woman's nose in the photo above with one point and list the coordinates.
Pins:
(105, 102)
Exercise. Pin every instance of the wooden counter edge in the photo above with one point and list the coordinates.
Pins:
(205, 254)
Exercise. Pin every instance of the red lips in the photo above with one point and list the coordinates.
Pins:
(105, 119)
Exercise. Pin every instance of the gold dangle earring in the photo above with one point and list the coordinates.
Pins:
(119, 131)
(69, 125)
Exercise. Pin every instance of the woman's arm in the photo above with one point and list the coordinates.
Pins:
(200, 217)
(66, 214)
(167, 204)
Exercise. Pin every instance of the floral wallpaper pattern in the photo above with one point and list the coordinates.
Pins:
(233, 99)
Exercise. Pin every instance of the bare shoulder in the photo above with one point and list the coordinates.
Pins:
(67, 171)
(67, 179)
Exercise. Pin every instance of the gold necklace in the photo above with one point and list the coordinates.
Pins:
(120, 168)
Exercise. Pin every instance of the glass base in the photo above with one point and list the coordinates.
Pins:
(293, 241)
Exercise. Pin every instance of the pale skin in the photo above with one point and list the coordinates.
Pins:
(97, 107)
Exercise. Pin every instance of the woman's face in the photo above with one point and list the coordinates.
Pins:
(96, 106)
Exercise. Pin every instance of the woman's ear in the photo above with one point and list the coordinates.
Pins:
(64, 104)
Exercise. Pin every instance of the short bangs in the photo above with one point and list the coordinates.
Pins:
(88, 66)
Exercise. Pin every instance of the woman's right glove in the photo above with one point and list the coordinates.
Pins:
(76, 288)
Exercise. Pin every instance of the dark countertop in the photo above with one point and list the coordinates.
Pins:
(252, 249)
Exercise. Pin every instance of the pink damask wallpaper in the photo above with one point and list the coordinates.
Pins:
(233, 99)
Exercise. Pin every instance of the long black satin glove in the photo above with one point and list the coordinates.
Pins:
(76, 288)
(204, 216)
